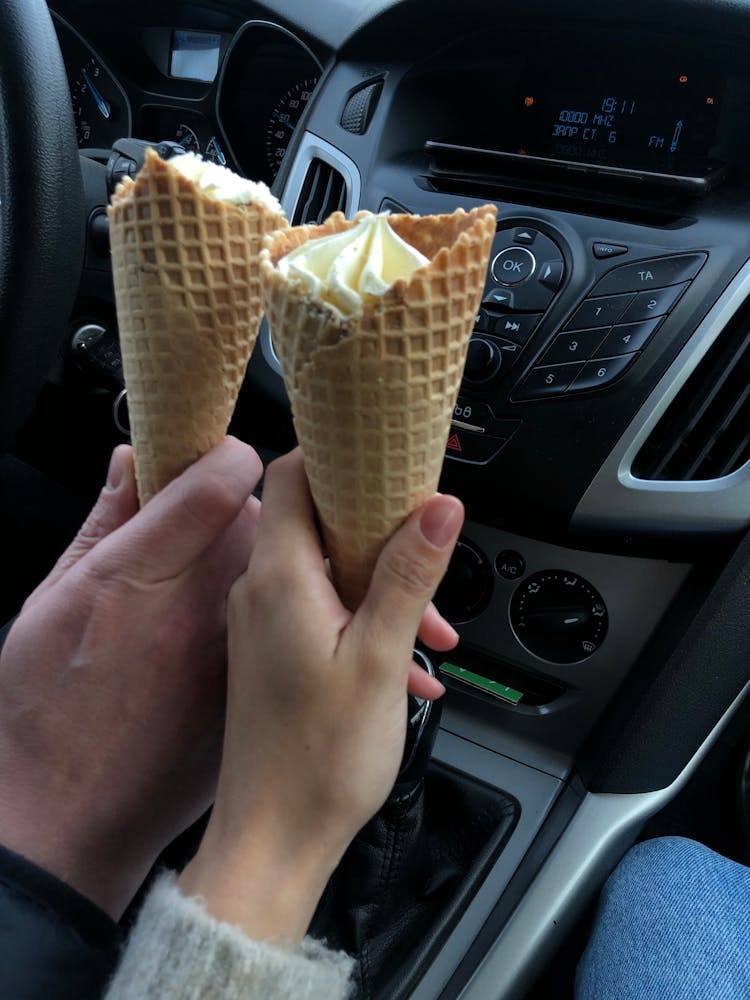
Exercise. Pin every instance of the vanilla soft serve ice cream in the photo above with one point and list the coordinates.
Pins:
(224, 184)
(348, 270)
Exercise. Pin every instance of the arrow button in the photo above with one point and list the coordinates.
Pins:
(550, 274)
(499, 298)
(524, 235)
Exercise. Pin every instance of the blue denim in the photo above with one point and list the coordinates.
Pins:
(673, 924)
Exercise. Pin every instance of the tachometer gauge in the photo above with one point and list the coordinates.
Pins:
(100, 106)
(94, 106)
(284, 118)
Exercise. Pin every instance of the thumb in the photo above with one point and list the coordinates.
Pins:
(117, 503)
(410, 568)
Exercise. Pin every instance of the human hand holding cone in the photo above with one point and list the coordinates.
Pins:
(187, 288)
(373, 393)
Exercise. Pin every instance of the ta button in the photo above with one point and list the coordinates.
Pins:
(513, 265)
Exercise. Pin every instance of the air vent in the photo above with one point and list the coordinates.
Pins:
(705, 431)
(323, 191)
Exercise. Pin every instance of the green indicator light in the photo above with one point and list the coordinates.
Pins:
(494, 688)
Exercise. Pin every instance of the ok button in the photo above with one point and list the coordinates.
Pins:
(513, 265)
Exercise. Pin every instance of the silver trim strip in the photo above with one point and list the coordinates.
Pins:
(604, 826)
(616, 499)
(311, 147)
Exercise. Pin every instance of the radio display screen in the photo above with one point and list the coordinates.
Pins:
(659, 119)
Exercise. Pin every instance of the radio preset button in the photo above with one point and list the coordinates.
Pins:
(578, 345)
(655, 303)
(547, 381)
(626, 338)
(595, 374)
(599, 312)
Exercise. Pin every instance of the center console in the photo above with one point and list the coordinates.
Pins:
(600, 424)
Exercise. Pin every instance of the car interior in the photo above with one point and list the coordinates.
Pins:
(600, 441)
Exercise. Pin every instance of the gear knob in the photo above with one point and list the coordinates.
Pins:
(423, 719)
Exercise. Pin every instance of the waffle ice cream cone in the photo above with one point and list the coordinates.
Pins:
(188, 298)
(373, 394)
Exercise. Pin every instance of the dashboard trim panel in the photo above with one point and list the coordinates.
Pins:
(618, 500)
(601, 830)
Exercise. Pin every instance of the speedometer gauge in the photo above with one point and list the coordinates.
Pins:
(284, 118)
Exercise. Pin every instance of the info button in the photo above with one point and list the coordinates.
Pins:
(513, 265)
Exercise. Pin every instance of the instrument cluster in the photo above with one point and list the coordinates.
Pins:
(235, 98)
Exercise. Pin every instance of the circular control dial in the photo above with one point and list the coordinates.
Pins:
(483, 360)
(559, 616)
(466, 588)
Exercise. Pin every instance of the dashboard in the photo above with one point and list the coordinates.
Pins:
(600, 441)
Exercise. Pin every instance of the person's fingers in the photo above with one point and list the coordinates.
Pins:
(116, 504)
(421, 685)
(181, 521)
(288, 566)
(434, 631)
(288, 534)
(409, 570)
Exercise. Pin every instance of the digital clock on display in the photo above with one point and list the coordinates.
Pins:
(662, 120)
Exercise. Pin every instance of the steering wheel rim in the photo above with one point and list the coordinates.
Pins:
(42, 225)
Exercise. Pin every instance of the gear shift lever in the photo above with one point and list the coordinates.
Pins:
(423, 720)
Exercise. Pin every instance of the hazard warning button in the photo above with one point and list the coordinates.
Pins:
(467, 446)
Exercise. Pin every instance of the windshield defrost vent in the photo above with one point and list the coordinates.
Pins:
(323, 191)
(705, 431)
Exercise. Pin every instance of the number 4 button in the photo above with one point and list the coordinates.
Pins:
(627, 337)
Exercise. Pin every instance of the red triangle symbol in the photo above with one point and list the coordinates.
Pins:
(454, 443)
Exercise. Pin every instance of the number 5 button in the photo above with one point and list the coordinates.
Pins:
(595, 374)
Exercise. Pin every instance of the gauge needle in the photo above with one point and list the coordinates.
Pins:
(283, 121)
(100, 102)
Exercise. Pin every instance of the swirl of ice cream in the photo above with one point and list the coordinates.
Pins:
(349, 269)
(222, 183)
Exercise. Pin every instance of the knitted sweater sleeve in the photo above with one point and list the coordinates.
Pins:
(178, 951)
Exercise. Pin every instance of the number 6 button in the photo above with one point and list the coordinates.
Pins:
(598, 373)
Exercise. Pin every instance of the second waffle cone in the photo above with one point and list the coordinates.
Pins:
(189, 305)
(373, 395)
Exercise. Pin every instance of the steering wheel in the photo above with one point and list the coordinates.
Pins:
(42, 225)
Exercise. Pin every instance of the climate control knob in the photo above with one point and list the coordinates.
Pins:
(559, 616)
(467, 585)
(483, 360)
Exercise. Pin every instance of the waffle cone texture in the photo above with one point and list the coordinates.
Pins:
(373, 395)
(188, 297)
